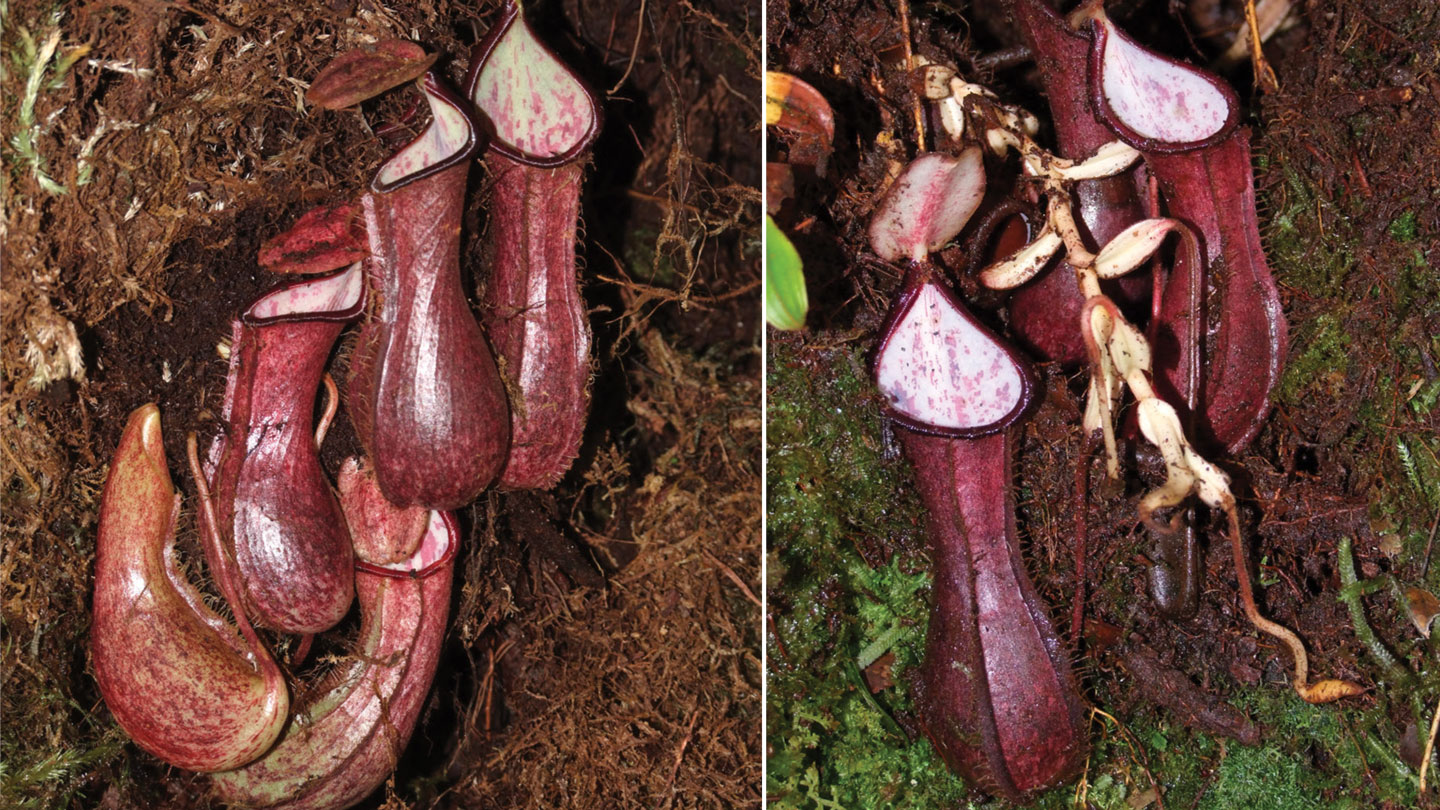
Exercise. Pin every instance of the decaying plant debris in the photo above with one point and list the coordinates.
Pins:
(604, 638)
(1351, 229)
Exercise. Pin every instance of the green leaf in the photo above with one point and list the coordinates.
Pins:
(786, 301)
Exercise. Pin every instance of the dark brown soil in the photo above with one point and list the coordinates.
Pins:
(604, 635)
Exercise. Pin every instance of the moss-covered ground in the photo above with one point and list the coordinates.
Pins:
(1348, 182)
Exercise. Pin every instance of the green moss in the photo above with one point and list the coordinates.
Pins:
(1261, 779)
(848, 577)
(833, 491)
(1404, 227)
(1420, 459)
(1310, 758)
(1299, 259)
(34, 778)
(839, 501)
(1319, 359)
(1417, 287)
(1359, 339)
(1425, 398)
(644, 261)
(1316, 756)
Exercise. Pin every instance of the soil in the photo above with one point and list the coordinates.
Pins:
(1346, 173)
(603, 647)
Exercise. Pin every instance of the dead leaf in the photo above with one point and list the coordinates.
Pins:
(1328, 691)
(1424, 607)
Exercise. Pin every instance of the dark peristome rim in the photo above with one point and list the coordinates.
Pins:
(916, 277)
(435, 87)
(1099, 36)
(983, 232)
(480, 54)
(448, 518)
(337, 316)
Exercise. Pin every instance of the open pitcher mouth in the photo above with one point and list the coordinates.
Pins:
(336, 297)
(450, 138)
(542, 113)
(437, 549)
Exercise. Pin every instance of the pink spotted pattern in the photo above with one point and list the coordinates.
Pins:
(535, 103)
(940, 369)
(437, 541)
(1159, 99)
(447, 134)
(335, 293)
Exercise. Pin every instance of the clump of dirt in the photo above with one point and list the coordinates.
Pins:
(1351, 230)
(604, 645)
